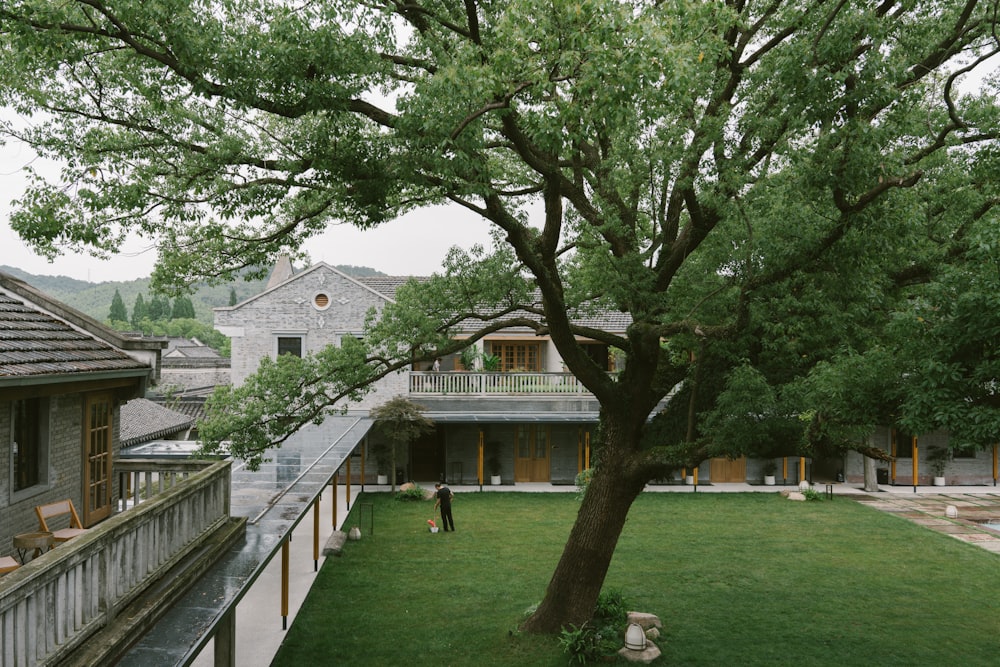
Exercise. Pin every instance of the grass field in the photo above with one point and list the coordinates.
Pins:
(737, 579)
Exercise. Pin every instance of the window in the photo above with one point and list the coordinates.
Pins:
(321, 301)
(29, 446)
(516, 356)
(290, 345)
(964, 452)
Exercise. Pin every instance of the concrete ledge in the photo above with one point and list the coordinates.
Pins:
(335, 544)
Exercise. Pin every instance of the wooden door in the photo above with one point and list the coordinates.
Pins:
(728, 470)
(98, 430)
(531, 453)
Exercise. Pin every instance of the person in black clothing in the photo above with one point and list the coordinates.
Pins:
(444, 496)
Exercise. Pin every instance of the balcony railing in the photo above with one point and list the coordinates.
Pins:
(493, 384)
(50, 606)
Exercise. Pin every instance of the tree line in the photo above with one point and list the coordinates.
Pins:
(160, 317)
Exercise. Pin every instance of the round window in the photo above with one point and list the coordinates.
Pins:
(321, 301)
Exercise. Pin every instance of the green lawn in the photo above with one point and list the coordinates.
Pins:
(738, 579)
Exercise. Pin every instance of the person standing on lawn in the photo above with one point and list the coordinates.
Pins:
(444, 496)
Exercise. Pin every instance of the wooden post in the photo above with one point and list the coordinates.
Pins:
(994, 464)
(784, 470)
(892, 448)
(225, 640)
(802, 469)
(916, 465)
(333, 498)
(479, 466)
(347, 486)
(284, 585)
(696, 479)
(316, 535)
(364, 446)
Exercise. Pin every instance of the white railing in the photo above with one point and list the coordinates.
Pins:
(142, 479)
(50, 606)
(481, 384)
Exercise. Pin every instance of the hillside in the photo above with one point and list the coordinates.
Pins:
(94, 299)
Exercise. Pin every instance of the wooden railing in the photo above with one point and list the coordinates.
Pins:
(481, 384)
(51, 605)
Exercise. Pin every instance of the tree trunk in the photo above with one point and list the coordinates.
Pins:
(871, 478)
(576, 583)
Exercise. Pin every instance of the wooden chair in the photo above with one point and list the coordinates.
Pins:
(56, 509)
(8, 564)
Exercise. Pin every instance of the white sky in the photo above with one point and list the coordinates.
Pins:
(415, 244)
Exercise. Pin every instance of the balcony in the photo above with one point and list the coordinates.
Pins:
(52, 606)
(425, 383)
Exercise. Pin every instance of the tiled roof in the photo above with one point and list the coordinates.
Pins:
(190, 406)
(143, 420)
(192, 352)
(596, 318)
(34, 343)
(384, 285)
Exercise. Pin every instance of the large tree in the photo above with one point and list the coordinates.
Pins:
(757, 183)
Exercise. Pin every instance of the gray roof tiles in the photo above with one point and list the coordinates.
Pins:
(143, 420)
(34, 343)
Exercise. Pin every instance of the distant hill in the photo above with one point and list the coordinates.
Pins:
(94, 299)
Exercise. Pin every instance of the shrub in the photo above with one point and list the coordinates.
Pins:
(812, 494)
(611, 609)
(411, 494)
(602, 636)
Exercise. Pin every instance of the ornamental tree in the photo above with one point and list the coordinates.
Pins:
(759, 184)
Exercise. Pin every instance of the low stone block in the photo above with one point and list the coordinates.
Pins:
(645, 656)
(644, 620)
(335, 544)
(795, 495)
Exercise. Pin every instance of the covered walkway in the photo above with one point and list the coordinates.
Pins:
(274, 499)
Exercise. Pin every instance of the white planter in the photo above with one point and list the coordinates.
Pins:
(434, 529)
(383, 479)
(939, 481)
(769, 480)
(495, 480)
(689, 479)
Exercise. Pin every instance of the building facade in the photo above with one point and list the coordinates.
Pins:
(63, 379)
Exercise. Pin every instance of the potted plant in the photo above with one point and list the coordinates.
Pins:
(769, 469)
(383, 460)
(938, 458)
(493, 463)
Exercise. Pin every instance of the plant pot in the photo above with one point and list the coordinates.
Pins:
(434, 529)
(495, 480)
(382, 479)
(769, 480)
(689, 480)
(939, 480)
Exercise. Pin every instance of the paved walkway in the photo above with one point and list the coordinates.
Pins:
(973, 507)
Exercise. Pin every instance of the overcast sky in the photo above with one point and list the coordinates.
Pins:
(415, 244)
